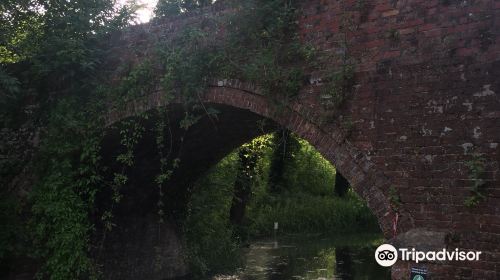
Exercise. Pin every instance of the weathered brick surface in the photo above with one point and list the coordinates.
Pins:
(426, 99)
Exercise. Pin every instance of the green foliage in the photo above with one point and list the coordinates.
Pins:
(271, 52)
(248, 159)
(394, 199)
(339, 85)
(139, 81)
(188, 64)
(261, 46)
(393, 35)
(56, 44)
(89, 168)
(166, 8)
(250, 153)
(310, 172)
(189, 120)
(309, 205)
(59, 42)
(60, 227)
(9, 85)
(131, 131)
(285, 149)
(20, 24)
(476, 167)
(208, 232)
(175, 7)
(10, 99)
(304, 212)
(68, 169)
(58, 37)
(168, 162)
(347, 125)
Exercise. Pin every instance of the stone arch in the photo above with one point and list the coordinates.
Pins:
(363, 175)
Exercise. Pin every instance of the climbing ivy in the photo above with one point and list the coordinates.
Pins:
(131, 131)
(259, 45)
(394, 199)
(339, 81)
(476, 172)
(68, 172)
(339, 85)
(138, 82)
(272, 56)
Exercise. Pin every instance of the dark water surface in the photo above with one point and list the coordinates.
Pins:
(347, 257)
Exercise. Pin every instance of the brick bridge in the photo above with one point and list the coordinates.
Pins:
(425, 104)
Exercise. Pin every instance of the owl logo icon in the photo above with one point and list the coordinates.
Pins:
(387, 255)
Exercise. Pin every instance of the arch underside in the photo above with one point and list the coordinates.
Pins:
(240, 119)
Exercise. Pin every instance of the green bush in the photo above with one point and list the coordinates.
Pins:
(304, 212)
(310, 172)
(208, 234)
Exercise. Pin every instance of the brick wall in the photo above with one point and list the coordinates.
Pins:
(427, 99)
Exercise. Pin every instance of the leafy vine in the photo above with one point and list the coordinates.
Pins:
(476, 167)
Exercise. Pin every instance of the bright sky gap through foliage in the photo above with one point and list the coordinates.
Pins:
(145, 13)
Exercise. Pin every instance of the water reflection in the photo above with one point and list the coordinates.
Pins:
(312, 257)
(343, 263)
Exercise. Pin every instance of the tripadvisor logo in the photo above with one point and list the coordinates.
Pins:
(387, 255)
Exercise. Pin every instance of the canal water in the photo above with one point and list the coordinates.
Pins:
(308, 257)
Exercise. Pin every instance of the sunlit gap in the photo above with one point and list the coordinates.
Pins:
(145, 11)
(273, 209)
